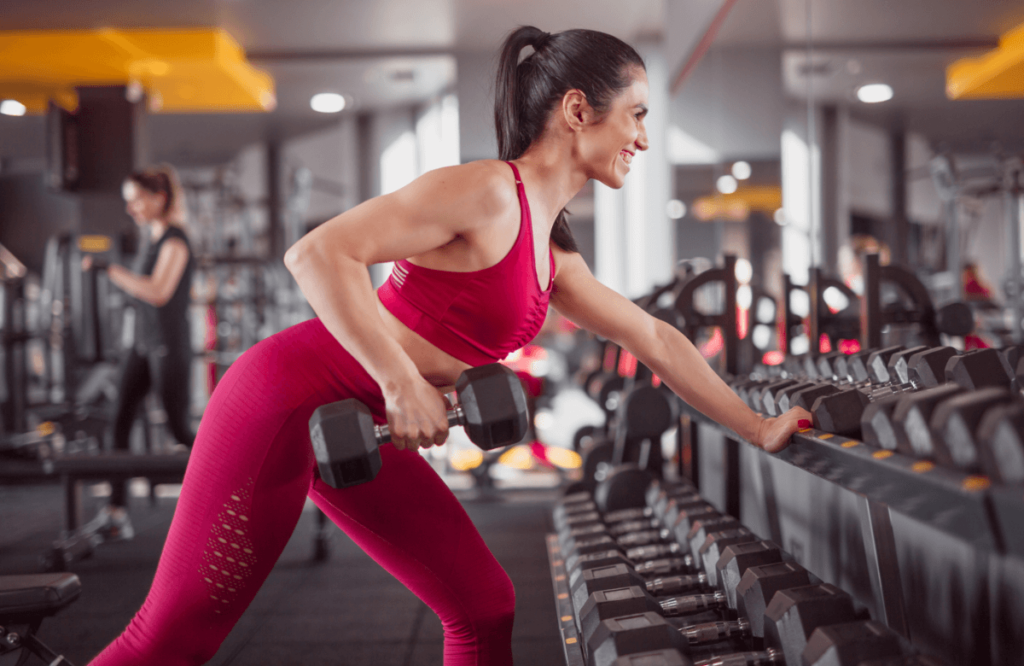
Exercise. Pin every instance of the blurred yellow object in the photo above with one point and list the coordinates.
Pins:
(999, 74)
(738, 205)
(45, 429)
(466, 459)
(564, 458)
(94, 243)
(182, 71)
(517, 457)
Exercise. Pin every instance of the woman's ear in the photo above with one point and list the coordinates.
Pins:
(576, 110)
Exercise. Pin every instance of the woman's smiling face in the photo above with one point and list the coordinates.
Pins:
(609, 145)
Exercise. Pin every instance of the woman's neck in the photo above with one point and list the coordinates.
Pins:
(157, 228)
(555, 179)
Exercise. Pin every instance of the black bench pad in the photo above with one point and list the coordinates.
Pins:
(36, 594)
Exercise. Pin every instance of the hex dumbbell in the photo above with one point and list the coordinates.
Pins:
(346, 442)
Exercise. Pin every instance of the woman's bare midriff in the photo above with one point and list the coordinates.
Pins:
(438, 367)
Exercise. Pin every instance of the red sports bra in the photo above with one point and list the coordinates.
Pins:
(477, 316)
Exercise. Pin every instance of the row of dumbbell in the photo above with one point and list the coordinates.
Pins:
(677, 582)
(962, 411)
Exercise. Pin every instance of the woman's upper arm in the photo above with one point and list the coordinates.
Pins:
(427, 213)
(170, 266)
(579, 297)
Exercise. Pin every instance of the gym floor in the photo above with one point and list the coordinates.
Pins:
(345, 611)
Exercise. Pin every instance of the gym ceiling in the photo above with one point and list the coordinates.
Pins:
(391, 53)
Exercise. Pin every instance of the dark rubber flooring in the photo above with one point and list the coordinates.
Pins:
(345, 611)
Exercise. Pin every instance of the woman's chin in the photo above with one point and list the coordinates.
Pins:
(614, 180)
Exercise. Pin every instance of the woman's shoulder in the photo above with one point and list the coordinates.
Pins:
(484, 187)
(174, 238)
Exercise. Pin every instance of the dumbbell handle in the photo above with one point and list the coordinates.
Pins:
(456, 417)
(691, 603)
(769, 657)
(712, 632)
(877, 391)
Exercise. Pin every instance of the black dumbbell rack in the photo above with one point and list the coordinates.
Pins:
(967, 507)
(961, 505)
(568, 623)
(563, 605)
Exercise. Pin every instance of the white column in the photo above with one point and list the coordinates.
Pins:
(801, 197)
(659, 256)
(609, 237)
(647, 253)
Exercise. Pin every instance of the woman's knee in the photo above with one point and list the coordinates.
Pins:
(493, 608)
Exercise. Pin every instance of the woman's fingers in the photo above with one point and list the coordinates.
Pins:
(781, 431)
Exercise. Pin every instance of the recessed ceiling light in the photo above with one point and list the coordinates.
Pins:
(327, 102)
(873, 93)
(676, 209)
(727, 184)
(403, 76)
(12, 107)
(744, 273)
(741, 170)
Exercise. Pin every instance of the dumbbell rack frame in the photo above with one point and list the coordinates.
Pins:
(961, 505)
(964, 506)
(563, 605)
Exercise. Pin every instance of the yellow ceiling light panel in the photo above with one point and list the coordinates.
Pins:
(998, 74)
(183, 71)
(738, 205)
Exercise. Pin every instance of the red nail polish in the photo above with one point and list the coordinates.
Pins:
(804, 423)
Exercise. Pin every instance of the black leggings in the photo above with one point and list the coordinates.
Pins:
(169, 375)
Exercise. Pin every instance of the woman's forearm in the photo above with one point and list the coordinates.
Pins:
(341, 294)
(679, 364)
(141, 287)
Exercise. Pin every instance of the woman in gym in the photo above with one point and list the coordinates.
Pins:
(160, 357)
(481, 250)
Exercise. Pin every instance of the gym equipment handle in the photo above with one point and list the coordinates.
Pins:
(456, 416)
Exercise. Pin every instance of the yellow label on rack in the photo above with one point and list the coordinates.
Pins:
(923, 466)
(563, 595)
(850, 444)
(882, 455)
(570, 641)
(827, 435)
(567, 618)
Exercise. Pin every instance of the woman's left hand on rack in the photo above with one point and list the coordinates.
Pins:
(774, 434)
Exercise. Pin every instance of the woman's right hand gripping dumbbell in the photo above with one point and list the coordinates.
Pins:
(417, 414)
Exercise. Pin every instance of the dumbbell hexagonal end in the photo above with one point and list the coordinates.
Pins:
(978, 369)
(493, 400)
(927, 368)
(852, 643)
(793, 615)
(631, 634)
(840, 412)
(344, 443)
(878, 363)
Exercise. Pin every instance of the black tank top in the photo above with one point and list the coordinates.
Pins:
(165, 329)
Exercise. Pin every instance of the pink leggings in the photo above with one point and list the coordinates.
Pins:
(250, 472)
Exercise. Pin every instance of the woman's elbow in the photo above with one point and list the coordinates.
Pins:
(293, 257)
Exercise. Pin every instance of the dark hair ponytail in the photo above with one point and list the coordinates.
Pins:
(595, 63)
